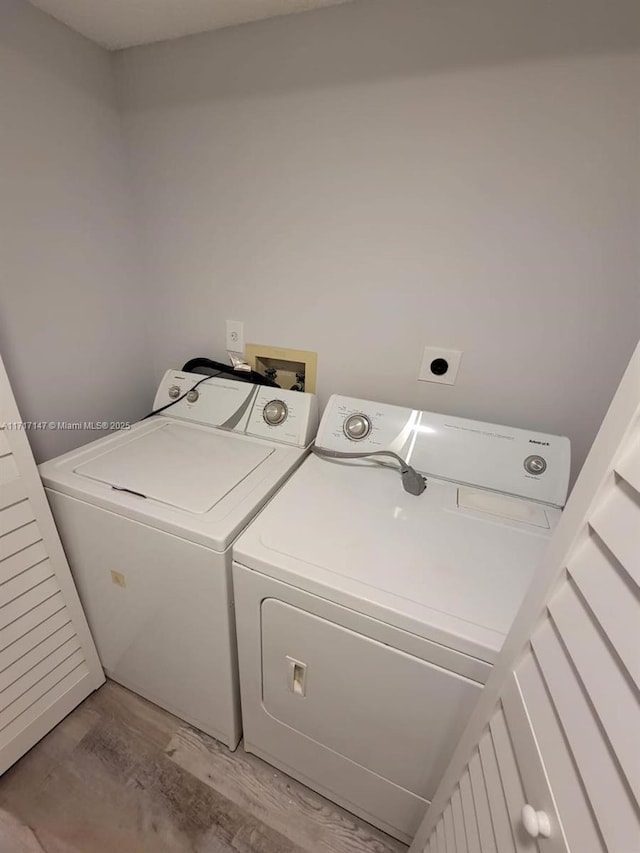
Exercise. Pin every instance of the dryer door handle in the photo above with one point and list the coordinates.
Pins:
(296, 676)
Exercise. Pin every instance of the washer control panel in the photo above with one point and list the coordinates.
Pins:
(281, 415)
(275, 412)
(504, 459)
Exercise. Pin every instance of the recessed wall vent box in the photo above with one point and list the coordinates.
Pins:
(291, 368)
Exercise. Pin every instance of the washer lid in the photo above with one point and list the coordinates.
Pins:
(179, 465)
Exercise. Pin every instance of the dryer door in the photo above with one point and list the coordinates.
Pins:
(361, 698)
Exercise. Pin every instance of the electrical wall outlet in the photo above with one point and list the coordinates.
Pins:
(440, 365)
(235, 336)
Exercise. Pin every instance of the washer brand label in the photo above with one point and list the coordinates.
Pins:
(543, 443)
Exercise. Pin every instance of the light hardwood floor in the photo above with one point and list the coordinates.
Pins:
(119, 775)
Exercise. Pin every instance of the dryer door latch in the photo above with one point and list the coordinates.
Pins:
(296, 676)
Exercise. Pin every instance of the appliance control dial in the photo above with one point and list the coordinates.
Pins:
(174, 392)
(356, 427)
(192, 396)
(535, 465)
(275, 412)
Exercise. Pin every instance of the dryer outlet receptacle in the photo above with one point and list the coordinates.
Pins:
(440, 365)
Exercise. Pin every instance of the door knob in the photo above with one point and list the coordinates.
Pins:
(535, 823)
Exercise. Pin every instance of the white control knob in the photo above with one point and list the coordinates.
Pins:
(275, 412)
(535, 465)
(535, 823)
(192, 396)
(357, 427)
(174, 392)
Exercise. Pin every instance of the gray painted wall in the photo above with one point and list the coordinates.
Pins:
(361, 181)
(371, 178)
(70, 291)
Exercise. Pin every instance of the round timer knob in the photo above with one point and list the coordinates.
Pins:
(174, 392)
(535, 465)
(357, 427)
(275, 412)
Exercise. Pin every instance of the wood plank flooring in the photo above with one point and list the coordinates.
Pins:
(120, 775)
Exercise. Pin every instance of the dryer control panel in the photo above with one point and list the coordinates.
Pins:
(525, 463)
(273, 413)
(352, 425)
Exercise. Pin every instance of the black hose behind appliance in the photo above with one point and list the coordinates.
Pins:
(208, 367)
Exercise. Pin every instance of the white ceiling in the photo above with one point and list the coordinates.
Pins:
(123, 23)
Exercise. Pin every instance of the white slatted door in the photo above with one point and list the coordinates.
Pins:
(48, 662)
(558, 725)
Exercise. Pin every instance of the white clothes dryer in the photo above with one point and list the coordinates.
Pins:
(368, 618)
(147, 518)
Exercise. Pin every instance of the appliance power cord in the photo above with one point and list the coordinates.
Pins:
(412, 481)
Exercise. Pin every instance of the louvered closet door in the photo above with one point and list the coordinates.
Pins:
(506, 771)
(564, 736)
(580, 677)
(48, 662)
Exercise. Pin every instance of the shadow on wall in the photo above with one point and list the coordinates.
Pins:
(374, 40)
(50, 45)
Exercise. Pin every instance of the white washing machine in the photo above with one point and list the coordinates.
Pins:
(368, 618)
(147, 517)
